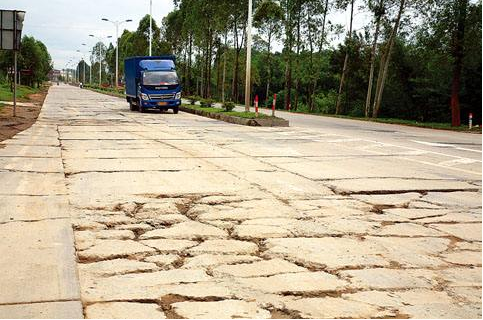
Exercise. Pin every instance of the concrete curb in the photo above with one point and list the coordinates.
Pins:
(262, 122)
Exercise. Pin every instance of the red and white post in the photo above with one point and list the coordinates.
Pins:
(273, 104)
(256, 105)
(470, 122)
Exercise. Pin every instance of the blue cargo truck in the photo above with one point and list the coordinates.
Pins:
(152, 83)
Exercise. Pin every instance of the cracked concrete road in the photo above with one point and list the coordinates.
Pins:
(108, 213)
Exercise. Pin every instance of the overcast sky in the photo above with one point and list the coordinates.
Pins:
(63, 25)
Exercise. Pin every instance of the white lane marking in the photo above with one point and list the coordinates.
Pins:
(465, 149)
(434, 144)
(344, 140)
(415, 150)
(445, 145)
(455, 162)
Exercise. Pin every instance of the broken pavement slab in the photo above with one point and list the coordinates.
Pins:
(43, 310)
(226, 309)
(45, 260)
(397, 185)
(124, 310)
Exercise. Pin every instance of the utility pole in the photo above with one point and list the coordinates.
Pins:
(150, 27)
(117, 24)
(249, 58)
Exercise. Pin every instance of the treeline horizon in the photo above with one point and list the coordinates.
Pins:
(416, 60)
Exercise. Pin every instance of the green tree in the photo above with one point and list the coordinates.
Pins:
(267, 20)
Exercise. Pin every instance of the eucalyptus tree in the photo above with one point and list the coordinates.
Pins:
(267, 19)
(385, 58)
(289, 24)
(459, 9)
(237, 17)
(344, 4)
(315, 32)
(378, 10)
(98, 55)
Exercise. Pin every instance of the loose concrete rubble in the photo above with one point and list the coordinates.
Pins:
(153, 215)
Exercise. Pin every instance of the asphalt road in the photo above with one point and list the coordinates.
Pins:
(108, 213)
(459, 151)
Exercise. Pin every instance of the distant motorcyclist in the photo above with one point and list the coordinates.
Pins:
(80, 85)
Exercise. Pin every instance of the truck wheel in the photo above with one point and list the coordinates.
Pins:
(132, 106)
(142, 109)
(175, 110)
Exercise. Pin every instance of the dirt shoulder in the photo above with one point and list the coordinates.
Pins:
(27, 113)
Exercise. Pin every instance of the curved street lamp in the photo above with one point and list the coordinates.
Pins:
(117, 24)
(100, 55)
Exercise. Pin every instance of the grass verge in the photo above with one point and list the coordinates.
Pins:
(22, 92)
(109, 91)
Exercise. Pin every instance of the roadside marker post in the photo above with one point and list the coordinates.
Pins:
(256, 105)
(471, 121)
(273, 104)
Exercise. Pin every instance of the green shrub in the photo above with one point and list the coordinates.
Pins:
(325, 102)
(229, 106)
(192, 99)
(206, 103)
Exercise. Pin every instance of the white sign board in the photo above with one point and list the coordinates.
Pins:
(11, 24)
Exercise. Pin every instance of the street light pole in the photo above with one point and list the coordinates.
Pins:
(117, 24)
(100, 65)
(249, 58)
(150, 27)
(100, 56)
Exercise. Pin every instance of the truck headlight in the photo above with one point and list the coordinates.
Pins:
(144, 96)
(178, 96)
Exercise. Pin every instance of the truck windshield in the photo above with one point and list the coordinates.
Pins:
(156, 78)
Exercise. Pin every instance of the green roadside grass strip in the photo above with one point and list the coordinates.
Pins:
(22, 92)
(245, 115)
(107, 91)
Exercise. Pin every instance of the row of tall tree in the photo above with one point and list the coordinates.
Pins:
(33, 63)
(418, 59)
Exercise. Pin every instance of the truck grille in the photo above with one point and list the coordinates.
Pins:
(169, 96)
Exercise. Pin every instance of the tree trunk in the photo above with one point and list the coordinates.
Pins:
(224, 68)
(190, 52)
(338, 108)
(458, 54)
(288, 59)
(385, 62)
(208, 64)
(288, 82)
(234, 89)
(321, 46)
(269, 65)
(202, 84)
(373, 58)
(297, 63)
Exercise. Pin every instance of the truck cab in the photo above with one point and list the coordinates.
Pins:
(152, 83)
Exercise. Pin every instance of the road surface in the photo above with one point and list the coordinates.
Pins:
(111, 213)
